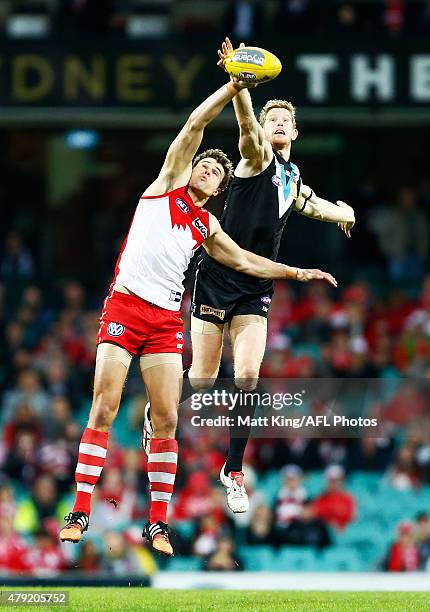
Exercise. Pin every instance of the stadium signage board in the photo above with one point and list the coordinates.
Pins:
(167, 76)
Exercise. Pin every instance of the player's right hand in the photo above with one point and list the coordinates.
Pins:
(226, 49)
(306, 275)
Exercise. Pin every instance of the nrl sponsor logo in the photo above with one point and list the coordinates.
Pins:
(182, 205)
(201, 227)
(209, 310)
(249, 57)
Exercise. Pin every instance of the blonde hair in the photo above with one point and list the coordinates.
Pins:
(277, 104)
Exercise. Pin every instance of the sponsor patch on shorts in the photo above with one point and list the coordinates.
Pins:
(209, 310)
(179, 346)
(179, 335)
(266, 299)
(115, 329)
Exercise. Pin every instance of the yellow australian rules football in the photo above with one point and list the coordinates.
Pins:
(253, 64)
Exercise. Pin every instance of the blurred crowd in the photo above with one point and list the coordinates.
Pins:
(240, 18)
(47, 336)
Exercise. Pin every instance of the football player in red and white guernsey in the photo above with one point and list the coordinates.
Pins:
(141, 314)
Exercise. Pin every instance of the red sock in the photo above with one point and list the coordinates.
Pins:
(162, 462)
(91, 459)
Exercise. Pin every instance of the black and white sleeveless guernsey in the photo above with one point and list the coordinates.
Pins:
(255, 214)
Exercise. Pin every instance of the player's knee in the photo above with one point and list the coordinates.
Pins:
(246, 378)
(164, 424)
(202, 378)
(103, 411)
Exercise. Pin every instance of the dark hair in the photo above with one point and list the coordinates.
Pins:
(222, 159)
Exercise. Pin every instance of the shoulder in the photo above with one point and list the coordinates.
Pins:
(214, 224)
(248, 168)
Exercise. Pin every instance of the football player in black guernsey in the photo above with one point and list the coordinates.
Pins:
(265, 189)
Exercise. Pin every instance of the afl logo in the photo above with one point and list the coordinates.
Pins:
(182, 205)
(266, 299)
(115, 329)
(276, 180)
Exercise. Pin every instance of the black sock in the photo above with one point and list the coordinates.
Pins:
(239, 435)
(187, 390)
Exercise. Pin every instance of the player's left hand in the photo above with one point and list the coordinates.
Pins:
(306, 275)
(346, 227)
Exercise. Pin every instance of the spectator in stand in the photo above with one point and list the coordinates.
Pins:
(422, 539)
(244, 19)
(61, 414)
(25, 419)
(20, 463)
(120, 559)
(44, 557)
(305, 530)
(89, 560)
(335, 506)
(41, 509)
(224, 558)
(17, 261)
(28, 390)
(208, 534)
(260, 529)
(291, 496)
(116, 503)
(7, 501)
(403, 235)
(403, 555)
(12, 547)
(403, 474)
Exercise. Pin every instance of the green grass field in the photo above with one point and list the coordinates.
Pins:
(125, 599)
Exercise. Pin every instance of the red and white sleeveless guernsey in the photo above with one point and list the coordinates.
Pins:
(163, 236)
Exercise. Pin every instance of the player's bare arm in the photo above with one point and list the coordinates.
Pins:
(255, 150)
(222, 248)
(310, 205)
(177, 167)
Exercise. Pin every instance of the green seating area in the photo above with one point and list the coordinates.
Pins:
(359, 548)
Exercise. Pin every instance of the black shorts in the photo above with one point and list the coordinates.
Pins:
(220, 294)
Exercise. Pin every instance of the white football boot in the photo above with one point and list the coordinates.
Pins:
(237, 498)
(148, 432)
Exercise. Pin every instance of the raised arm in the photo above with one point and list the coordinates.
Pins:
(222, 248)
(253, 147)
(310, 205)
(176, 170)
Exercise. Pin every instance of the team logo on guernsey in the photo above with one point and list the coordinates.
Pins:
(115, 329)
(266, 299)
(201, 227)
(182, 205)
(276, 180)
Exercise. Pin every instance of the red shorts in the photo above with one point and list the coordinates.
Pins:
(139, 326)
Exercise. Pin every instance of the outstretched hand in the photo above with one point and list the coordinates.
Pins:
(346, 227)
(306, 275)
(226, 49)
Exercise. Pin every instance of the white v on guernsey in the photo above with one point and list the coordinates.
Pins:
(163, 236)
